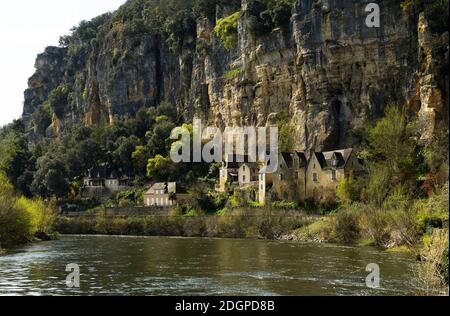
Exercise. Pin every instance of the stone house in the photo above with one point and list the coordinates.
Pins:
(164, 195)
(289, 179)
(103, 179)
(248, 173)
(239, 170)
(301, 178)
(326, 170)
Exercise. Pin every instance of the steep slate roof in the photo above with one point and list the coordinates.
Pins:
(231, 161)
(168, 187)
(288, 158)
(341, 156)
(104, 172)
(303, 161)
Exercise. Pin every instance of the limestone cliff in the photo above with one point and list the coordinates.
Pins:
(331, 73)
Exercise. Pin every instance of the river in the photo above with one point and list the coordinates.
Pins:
(191, 266)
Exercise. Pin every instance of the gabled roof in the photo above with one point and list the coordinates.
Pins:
(103, 172)
(167, 187)
(303, 160)
(334, 159)
(288, 159)
(235, 161)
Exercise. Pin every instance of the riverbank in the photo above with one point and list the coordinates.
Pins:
(239, 224)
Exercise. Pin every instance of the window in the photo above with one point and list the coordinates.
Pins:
(315, 177)
(333, 175)
(281, 177)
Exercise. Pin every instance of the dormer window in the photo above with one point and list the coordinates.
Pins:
(335, 163)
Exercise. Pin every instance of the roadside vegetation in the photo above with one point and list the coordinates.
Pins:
(23, 220)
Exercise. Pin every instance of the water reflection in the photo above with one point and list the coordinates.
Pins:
(177, 266)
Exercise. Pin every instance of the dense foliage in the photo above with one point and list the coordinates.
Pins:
(267, 15)
(22, 219)
(227, 30)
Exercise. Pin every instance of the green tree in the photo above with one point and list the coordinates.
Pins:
(391, 155)
(15, 158)
(15, 222)
(58, 100)
(122, 156)
(50, 178)
(348, 190)
(160, 168)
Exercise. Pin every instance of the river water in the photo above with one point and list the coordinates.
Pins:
(190, 266)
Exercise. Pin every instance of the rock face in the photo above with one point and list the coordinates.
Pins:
(329, 71)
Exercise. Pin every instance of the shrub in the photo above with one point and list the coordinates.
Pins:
(346, 227)
(233, 73)
(374, 224)
(432, 271)
(285, 205)
(348, 190)
(226, 30)
(319, 231)
(58, 100)
(404, 228)
(20, 218)
(269, 14)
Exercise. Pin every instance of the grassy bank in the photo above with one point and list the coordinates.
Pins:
(240, 223)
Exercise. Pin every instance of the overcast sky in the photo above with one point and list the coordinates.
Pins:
(26, 28)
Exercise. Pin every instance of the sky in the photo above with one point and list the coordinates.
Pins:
(26, 28)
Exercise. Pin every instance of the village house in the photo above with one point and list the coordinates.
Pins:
(288, 180)
(103, 179)
(301, 178)
(164, 195)
(239, 170)
(326, 170)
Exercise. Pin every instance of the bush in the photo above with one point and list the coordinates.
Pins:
(374, 224)
(285, 205)
(348, 190)
(319, 231)
(58, 100)
(233, 73)
(226, 30)
(346, 227)
(432, 271)
(269, 14)
(20, 218)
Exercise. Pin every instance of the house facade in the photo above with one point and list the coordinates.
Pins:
(326, 170)
(164, 195)
(238, 170)
(102, 179)
(288, 180)
(316, 177)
